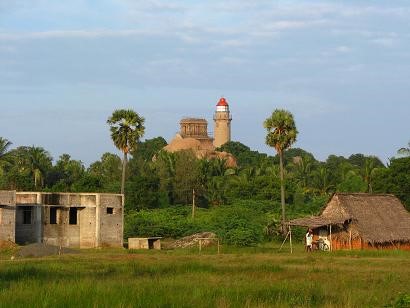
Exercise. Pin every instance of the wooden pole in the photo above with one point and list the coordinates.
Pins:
(350, 238)
(218, 246)
(200, 245)
(330, 227)
(193, 203)
(290, 239)
(284, 241)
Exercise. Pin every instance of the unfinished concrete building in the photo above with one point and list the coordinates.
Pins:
(81, 220)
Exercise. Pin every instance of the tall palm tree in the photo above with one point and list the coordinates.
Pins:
(368, 172)
(127, 128)
(281, 135)
(404, 151)
(4, 146)
(302, 170)
(39, 161)
(4, 151)
(321, 180)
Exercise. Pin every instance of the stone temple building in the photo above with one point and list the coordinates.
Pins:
(80, 220)
(194, 135)
(198, 130)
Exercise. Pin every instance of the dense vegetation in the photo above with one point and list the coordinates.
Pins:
(242, 205)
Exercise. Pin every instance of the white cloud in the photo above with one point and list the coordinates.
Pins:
(7, 49)
(343, 49)
(232, 60)
(11, 36)
(384, 41)
(154, 5)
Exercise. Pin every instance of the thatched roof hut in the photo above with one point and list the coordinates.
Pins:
(362, 220)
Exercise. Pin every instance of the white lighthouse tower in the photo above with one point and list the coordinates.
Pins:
(222, 119)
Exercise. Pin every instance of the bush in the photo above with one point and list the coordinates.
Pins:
(241, 224)
(402, 301)
(168, 222)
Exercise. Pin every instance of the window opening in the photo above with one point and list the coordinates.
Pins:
(110, 210)
(27, 215)
(73, 216)
(53, 215)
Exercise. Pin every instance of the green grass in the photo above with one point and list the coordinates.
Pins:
(246, 277)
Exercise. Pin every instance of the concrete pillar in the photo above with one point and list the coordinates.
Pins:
(98, 221)
(38, 219)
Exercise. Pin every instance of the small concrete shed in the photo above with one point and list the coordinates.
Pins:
(144, 243)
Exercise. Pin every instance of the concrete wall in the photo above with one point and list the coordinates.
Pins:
(31, 232)
(7, 215)
(99, 219)
(111, 225)
(88, 221)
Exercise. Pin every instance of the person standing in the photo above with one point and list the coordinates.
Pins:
(309, 240)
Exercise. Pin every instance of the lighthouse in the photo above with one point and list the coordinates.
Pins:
(222, 119)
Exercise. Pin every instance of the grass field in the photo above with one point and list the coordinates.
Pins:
(248, 277)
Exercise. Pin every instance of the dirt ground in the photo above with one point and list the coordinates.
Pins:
(4, 245)
(42, 250)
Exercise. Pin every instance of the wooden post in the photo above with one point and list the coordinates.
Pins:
(283, 243)
(193, 203)
(290, 239)
(200, 245)
(350, 238)
(330, 229)
(218, 246)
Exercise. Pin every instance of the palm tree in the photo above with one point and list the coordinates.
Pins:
(4, 147)
(165, 164)
(126, 127)
(302, 169)
(4, 151)
(368, 172)
(404, 151)
(39, 161)
(321, 180)
(281, 135)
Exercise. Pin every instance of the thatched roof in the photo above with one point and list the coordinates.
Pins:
(378, 218)
(315, 222)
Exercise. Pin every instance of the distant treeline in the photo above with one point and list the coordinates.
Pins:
(158, 179)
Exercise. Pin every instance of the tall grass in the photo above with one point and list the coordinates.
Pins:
(242, 278)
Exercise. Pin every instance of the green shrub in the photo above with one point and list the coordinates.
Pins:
(240, 224)
(403, 301)
(167, 222)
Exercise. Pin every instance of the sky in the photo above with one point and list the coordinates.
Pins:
(341, 67)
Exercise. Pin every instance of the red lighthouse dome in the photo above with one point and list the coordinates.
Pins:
(222, 102)
(222, 105)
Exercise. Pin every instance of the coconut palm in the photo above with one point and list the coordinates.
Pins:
(39, 162)
(4, 151)
(4, 147)
(127, 128)
(302, 167)
(404, 151)
(321, 180)
(281, 135)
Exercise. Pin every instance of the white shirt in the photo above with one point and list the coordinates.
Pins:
(309, 239)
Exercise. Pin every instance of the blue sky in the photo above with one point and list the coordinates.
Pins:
(342, 68)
